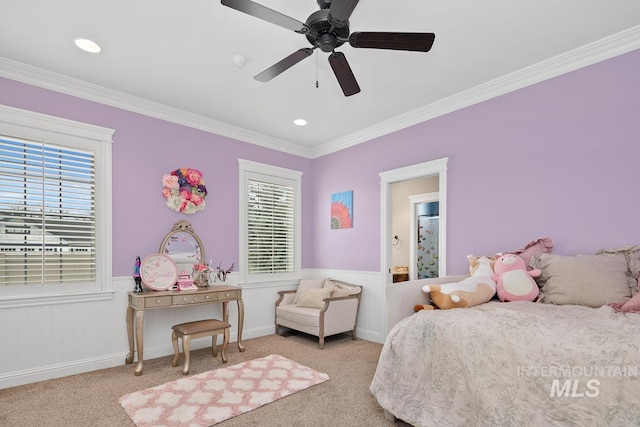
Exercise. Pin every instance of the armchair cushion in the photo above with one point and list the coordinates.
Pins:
(341, 289)
(307, 284)
(305, 317)
(314, 298)
(340, 292)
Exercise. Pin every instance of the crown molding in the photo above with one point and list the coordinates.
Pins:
(600, 50)
(50, 128)
(608, 47)
(67, 85)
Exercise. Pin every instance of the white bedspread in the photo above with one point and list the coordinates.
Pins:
(512, 364)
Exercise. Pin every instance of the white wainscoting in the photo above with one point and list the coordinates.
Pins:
(56, 340)
(371, 316)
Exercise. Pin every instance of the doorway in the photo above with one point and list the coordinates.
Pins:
(433, 168)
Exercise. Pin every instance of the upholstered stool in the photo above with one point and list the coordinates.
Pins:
(197, 329)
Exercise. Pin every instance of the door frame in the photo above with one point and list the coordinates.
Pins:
(432, 168)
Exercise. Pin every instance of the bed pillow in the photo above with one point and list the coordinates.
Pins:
(633, 262)
(591, 280)
(313, 297)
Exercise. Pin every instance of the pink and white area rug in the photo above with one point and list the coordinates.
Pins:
(209, 398)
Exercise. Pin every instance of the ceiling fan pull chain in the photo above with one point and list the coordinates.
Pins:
(317, 84)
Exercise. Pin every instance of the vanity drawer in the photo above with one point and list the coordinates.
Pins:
(157, 302)
(227, 295)
(193, 298)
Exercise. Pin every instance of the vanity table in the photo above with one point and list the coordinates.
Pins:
(180, 250)
(154, 300)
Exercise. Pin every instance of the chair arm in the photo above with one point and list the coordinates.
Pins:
(286, 297)
(340, 314)
(337, 301)
(331, 299)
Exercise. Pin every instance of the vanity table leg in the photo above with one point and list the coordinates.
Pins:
(225, 311)
(240, 324)
(225, 317)
(129, 358)
(139, 341)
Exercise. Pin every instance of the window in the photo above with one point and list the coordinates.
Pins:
(48, 211)
(55, 216)
(270, 222)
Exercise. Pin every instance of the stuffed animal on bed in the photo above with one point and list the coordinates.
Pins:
(476, 289)
(513, 281)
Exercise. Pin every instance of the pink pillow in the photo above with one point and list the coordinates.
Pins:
(540, 246)
(629, 306)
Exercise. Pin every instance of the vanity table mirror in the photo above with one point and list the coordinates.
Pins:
(184, 246)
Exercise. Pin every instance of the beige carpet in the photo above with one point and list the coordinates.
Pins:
(91, 399)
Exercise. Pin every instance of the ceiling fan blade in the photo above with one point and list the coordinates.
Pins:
(340, 11)
(257, 10)
(419, 42)
(283, 65)
(343, 73)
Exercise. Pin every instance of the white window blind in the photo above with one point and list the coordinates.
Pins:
(270, 218)
(270, 228)
(48, 211)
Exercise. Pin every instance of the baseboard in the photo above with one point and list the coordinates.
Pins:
(18, 378)
(373, 336)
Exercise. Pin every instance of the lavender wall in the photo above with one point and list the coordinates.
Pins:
(558, 159)
(144, 149)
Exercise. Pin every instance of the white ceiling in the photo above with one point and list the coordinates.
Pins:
(173, 60)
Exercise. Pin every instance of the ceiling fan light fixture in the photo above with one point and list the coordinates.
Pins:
(88, 45)
(300, 122)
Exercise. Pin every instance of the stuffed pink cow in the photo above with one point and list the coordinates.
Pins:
(513, 281)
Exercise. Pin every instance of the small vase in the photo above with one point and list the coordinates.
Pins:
(200, 279)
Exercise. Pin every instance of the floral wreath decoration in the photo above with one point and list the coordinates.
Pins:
(184, 190)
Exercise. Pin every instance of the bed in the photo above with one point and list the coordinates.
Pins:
(517, 363)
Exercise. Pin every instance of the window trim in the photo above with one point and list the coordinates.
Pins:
(248, 170)
(23, 124)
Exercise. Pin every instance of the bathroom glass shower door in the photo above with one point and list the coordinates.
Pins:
(427, 240)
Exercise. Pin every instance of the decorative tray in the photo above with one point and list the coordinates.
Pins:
(158, 272)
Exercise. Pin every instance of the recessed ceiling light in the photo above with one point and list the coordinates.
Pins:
(88, 45)
(239, 60)
(300, 122)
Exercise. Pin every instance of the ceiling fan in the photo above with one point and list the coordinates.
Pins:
(327, 29)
